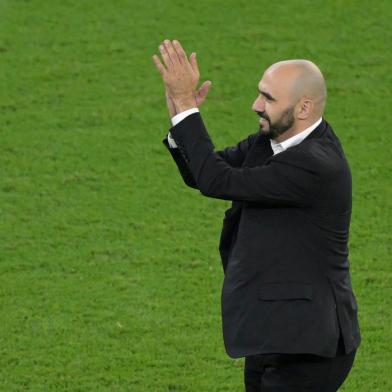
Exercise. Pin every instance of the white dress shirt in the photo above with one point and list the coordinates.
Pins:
(276, 147)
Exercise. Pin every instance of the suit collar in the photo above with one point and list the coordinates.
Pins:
(319, 131)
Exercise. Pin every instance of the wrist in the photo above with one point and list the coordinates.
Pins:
(185, 103)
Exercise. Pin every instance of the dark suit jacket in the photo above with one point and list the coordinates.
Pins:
(287, 286)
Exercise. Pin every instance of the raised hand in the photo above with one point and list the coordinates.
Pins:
(180, 76)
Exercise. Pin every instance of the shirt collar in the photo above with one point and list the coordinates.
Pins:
(294, 140)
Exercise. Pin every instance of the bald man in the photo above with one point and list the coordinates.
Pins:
(287, 302)
(292, 98)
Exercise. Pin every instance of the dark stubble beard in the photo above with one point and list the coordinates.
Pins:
(280, 126)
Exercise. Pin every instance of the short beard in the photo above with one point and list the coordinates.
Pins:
(284, 123)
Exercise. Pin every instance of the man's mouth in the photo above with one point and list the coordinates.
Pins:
(263, 121)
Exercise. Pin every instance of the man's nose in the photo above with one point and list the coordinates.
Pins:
(258, 104)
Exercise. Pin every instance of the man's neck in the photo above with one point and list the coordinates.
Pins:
(295, 130)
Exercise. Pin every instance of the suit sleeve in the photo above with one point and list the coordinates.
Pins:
(181, 162)
(291, 178)
(233, 156)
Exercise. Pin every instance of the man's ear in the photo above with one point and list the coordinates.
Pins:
(305, 108)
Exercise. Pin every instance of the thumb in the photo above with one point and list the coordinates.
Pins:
(203, 91)
(205, 87)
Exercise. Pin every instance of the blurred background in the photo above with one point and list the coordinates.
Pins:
(110, 273)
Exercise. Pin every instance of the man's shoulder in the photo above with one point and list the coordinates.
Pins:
(316, 154)
(327, 150)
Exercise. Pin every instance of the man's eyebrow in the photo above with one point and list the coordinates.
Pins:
(267, 95)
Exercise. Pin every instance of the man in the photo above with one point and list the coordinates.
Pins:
(287, 301)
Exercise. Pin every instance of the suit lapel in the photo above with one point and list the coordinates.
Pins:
(260, 151)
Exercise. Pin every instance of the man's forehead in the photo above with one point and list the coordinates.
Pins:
(275, 83)
(267, 79)
(266, 84)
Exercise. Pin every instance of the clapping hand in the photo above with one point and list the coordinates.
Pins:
(181, 77)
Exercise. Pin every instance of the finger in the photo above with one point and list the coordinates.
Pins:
(165, 56)
(171, 52)
(193, 61)
(180, 51)
(158, 64)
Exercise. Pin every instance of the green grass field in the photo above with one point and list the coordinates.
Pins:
(110, 271)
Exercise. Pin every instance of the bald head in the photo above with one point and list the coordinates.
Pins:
(301, 79)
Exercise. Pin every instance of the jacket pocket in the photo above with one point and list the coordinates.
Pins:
(285, 291)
